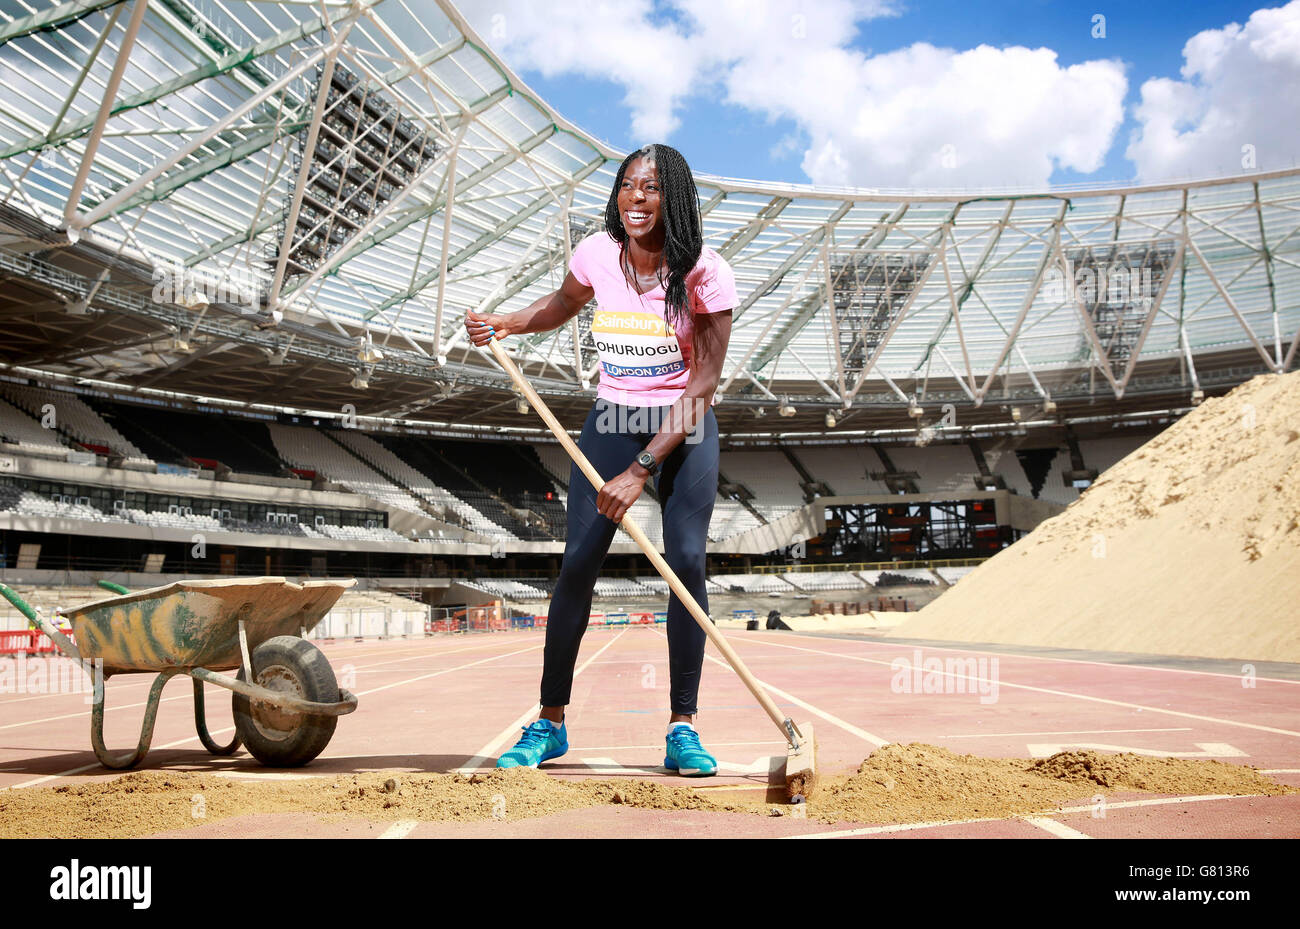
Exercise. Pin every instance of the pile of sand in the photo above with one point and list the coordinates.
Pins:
(1188, 546)
(923, 783)
(897, 784)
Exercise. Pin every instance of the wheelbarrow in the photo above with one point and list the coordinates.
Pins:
(286, 700)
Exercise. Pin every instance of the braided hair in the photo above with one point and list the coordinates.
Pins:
(683, 233)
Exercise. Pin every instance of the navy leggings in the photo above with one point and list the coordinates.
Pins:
(686, 484)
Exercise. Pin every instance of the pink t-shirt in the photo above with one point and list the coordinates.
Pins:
(645, 361)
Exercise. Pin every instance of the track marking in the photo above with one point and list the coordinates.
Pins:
(1207, 750)
(146, 683)
(991, 735)
(619, 748)
(425, 677)
(1060, 830)
(399, 830)
(1057, 693)
(861, 733)
(82, 714)
(908, 827)
(763, 765)
(1104, 664)
(490, 749)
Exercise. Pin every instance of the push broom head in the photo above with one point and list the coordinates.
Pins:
(800, 762)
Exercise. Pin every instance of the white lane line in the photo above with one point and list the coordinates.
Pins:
(619, 748)
(82, 715)
(490, 749)
(218, 732)
(1060, 830)
(1206, 750)
(1280, 771)
(1104, 664)
(990, 735)
(123, 686)
(95, 764)
(908, 827)
(847, 726)
(400, 829)
(423, 655)
(1056, 693)
(425, 677)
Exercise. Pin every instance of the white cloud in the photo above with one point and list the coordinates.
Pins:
(918, 116)
(617, 41)
(1240, 87)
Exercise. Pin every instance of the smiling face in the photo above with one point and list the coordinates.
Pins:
(638, 198)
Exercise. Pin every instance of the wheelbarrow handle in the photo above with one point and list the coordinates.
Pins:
(346, 704)
(40, 622)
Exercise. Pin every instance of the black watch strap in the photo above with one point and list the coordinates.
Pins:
(647, 461)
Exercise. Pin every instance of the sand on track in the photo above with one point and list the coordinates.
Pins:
(896, 784)
(1190, 545)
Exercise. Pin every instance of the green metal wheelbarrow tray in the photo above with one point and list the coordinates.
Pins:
(286, 701)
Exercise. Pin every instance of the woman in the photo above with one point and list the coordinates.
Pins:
(661, 327)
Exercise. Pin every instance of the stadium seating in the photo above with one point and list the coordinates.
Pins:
(422, 456)
(953, 575)
(769, 476)
(24, 431)
(307, 448)
(171, 435)
(753, 583)
(387, 462)
(845, 469)
(939, 467)
(75, 418)
(815, 581)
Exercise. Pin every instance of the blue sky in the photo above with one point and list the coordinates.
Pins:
(1148, 39)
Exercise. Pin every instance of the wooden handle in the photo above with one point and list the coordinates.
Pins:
(639, 537)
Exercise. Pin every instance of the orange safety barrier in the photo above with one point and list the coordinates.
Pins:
(25, 642)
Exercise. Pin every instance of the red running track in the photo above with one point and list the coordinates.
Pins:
(453, 702)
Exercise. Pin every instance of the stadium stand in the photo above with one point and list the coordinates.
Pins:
(195, 438)
(74, 418)
(20, 429)
(32, 504)
(1002, 461)
(815, 581)
(845, 470)
(939, 467)
(484, 514)
(915, 575)
(753, 583)
(953, 575)
(389, 464)
(309, 449)
(769, 476)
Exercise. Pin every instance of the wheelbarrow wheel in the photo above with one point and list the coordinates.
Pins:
(275, 736)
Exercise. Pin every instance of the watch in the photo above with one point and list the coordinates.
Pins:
(647, 461)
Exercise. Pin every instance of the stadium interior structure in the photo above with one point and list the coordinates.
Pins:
(237, 243)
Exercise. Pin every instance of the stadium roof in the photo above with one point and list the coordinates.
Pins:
(153, 150)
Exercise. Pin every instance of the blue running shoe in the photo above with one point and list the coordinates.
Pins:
(686, 756)
(541, 741)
